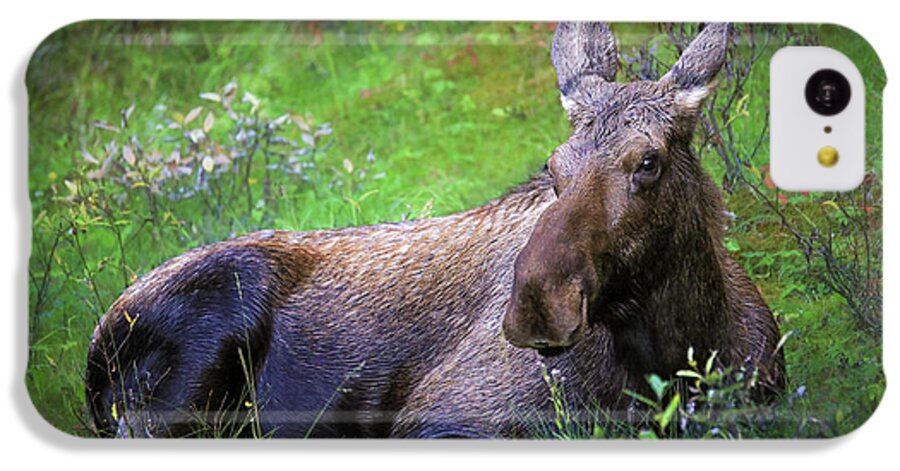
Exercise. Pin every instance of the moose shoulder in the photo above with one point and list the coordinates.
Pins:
(607, 266)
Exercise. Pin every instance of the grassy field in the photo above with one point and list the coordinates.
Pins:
(149, 139)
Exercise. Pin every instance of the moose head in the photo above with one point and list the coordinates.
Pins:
(634, 215)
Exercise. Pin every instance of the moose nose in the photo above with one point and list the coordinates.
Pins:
(542, 342)
(553, 321)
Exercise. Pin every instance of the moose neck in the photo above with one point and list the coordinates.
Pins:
(676, 298)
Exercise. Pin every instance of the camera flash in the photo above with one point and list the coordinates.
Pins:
(828, 156)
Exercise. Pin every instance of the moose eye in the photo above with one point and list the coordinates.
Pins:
(648, 170)
(649, 163)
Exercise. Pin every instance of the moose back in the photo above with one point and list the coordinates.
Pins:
(607, 266)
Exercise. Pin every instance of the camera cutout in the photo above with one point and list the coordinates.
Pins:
(827, 92)
(817, 120)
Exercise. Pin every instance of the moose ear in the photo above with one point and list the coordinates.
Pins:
(584, 56)
(694, 73)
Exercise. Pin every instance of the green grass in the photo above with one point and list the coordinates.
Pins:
(453, 113)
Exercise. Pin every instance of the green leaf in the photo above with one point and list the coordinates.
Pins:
(646, 400)
(710, 361)
(688, 374)
(657, 385)
(732, 245)
(664, 417)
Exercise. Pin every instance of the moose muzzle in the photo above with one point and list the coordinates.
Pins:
(552, 291)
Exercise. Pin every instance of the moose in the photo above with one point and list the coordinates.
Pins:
(607, 266)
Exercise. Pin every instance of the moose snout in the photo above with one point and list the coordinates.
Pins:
(540, 319)
(554, 282)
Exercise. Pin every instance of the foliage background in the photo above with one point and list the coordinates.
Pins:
(425, 119)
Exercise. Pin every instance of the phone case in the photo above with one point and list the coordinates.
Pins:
(441, 230)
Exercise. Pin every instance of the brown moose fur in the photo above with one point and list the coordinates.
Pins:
(607, 270)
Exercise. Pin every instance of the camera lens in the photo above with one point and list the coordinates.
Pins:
(828, 92)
